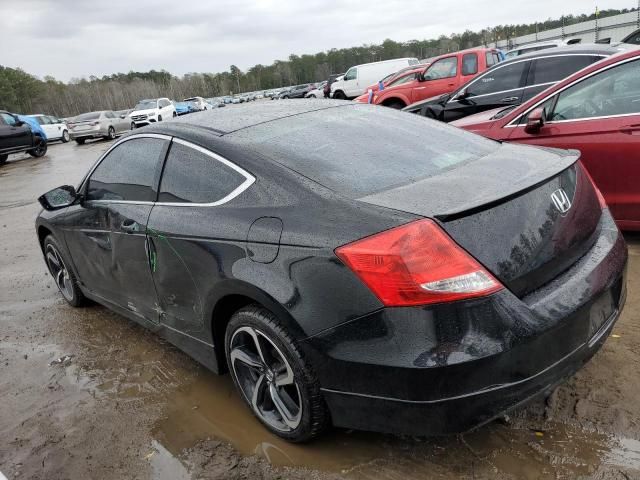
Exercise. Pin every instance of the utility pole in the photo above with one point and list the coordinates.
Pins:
(597, 15)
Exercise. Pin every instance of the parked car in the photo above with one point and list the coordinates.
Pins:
(534, 47)
(359, 77)
(103, 124)
(182, 108)
(298, 91)
(330, 81)
(198, 101)
(124, 114)
(317, 91)
(404, 276)
(596, 111)
(633, 38)
(151, 111)
(445, 74)
(17, 136)
(511, 82)
(53, 127)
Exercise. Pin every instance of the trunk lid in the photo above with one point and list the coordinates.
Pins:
(501, 209)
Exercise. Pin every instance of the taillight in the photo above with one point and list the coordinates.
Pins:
(603, 202)
(417, 264)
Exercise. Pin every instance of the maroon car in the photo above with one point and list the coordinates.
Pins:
(596, 111)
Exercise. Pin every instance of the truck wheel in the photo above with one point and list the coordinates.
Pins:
(3, 159)
(80, 141)
(39, 150)
(339, 95)
(65, 136)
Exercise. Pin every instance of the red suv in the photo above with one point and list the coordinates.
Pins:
(445, 74)
(596, 111)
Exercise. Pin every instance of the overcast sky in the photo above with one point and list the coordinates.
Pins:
(76, 38)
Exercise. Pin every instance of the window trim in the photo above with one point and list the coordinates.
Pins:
(475, 54)
(458, 68)
(503, 64)
(249, 179)
(514, 123)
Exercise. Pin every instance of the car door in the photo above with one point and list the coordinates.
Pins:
(440, 77)
(13, 135)
(350, 83)
(57, 126)
(106, 232)
(600, 116)
(192, 228)
(500, 86)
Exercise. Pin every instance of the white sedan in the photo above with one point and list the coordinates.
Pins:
(54, 128)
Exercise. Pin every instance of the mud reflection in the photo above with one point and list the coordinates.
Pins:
(210, 408)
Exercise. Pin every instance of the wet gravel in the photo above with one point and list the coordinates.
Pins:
(85, 393)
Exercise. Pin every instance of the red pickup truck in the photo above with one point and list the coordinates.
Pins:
(446, 73)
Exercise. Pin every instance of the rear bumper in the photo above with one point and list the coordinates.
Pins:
(451, 367)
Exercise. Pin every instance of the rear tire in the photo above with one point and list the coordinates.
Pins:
(263, 357)
(65, 137)
(111, 134)
(40, 149)
(80, 141)
(3, 159)
(159, 118)
(133, 126)
(62, 275)
(175, 114)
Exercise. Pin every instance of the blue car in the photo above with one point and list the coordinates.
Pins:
(35, 126)
(182, 107)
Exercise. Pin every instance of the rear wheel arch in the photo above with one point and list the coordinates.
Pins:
(230, 302)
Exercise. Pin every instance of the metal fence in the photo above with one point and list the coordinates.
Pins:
(614, 28)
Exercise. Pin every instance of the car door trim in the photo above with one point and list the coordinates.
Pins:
(512, 123)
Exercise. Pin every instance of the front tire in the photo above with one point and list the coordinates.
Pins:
(63, 276)
(273, 377)
(111, 134)
(159, 118)
(80, 141)
(339, 95)
(175, 114)
(133, 126)
(40, 149)
(65, 137)
(3, 159)
(396, 104)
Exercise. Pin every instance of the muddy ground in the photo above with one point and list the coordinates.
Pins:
(125, 404)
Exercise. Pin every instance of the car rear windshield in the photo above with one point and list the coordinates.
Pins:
(87, 116)
(358, 150)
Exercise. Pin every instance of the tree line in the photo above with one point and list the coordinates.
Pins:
(25, 93)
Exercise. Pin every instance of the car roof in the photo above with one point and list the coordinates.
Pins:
(578, 49)
(223, 121)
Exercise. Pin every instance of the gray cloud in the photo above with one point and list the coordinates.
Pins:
(69, 38)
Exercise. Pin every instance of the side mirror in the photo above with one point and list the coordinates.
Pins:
(535, 121)
(58, 198)
(18, 123)
(123, 116)
(462, 94)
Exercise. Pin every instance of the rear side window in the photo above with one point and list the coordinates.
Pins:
(469, 64)
(401, 80)
(554, 69)
(320, 145)
(195, 175)
(87, 116)
(129, 172)
(491, 58)
(499, 79)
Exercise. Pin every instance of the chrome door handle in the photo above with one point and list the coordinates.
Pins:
(129, 226)
(509, 99)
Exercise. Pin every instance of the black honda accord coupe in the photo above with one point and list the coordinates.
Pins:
(347, 264)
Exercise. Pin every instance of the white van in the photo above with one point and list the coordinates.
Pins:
(358, 78)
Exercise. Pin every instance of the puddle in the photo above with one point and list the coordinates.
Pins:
(210, 408)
